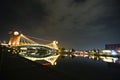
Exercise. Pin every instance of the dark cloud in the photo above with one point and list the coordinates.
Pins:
(24, 15)
(74, 23)
(23, 11)
(78, 1)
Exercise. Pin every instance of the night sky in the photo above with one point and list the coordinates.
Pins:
(78, 24)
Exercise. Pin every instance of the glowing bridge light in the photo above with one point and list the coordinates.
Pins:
(16, 33)
(55, 42)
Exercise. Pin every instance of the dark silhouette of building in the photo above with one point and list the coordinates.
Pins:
(112, 46)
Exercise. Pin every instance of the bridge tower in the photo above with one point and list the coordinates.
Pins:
(14, 38)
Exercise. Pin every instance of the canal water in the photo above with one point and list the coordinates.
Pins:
(85, 68)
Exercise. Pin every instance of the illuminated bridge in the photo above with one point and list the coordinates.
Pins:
(32, 50)
(18, 39)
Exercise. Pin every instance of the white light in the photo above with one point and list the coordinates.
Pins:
(16, 33)
(114, 53)
(23, 48)
(106, 51)
(55, 42)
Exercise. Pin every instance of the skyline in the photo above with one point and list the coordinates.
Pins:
(79, 24)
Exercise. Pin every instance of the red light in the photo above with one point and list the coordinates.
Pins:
(46, 64)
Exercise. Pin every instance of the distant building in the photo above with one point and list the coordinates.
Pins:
(112, 46)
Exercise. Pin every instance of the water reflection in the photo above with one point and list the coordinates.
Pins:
(40, 54)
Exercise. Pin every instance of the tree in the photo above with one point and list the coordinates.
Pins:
(72, 50)
(61, 50)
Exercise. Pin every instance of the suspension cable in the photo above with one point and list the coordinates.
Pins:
(39, 38)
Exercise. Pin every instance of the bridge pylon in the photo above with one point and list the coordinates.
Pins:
(14, 38)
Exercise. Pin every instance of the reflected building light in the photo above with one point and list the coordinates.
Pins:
(114, 52)
(118, 51)
(106, 51)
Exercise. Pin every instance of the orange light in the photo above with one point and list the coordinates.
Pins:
(46, 64)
